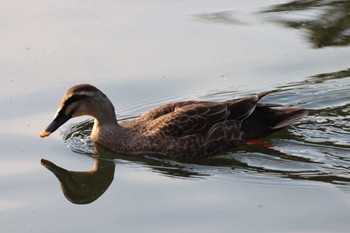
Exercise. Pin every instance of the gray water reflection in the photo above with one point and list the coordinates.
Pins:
(222, 17)
(326, 23)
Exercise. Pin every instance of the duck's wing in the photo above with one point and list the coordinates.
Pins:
(199, 117)
(164, 110)
(140, 123)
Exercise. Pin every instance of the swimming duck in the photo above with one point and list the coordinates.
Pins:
(188, 129)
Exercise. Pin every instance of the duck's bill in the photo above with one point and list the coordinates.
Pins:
(55, 124)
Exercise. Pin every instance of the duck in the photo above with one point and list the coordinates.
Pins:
(180, 130)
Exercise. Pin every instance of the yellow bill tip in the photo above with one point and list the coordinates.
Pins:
(44, 134)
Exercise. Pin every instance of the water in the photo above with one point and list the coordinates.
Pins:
(143, 55)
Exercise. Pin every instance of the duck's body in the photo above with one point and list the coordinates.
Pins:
(190, 129)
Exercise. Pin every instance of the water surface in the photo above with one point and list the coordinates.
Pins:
(144, 54)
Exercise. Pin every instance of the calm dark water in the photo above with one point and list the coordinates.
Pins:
(144, 54)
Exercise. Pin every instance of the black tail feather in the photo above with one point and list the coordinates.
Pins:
(267, 119)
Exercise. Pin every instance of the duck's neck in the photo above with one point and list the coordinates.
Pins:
(105, 124)
(106, 127)
(103, 131)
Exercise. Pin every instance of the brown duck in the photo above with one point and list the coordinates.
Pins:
(189, 129)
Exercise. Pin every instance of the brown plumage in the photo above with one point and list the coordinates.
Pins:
(189, 129)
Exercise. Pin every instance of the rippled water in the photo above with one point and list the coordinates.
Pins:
(143, 54)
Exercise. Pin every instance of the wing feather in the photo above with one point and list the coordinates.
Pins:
(190, 119)
(194, 117)
(164, 109)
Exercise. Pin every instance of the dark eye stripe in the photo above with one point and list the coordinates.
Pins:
(70, 100)
(76, 98)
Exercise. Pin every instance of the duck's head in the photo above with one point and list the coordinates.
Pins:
(79, 100)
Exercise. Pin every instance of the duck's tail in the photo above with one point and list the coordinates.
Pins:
(268, 118)
(262, 94)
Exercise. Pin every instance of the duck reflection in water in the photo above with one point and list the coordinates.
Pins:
(84, 187)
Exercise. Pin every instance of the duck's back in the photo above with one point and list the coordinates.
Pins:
(195, 129)
(192, 117)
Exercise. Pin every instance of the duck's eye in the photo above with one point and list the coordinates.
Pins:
(72, 103)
